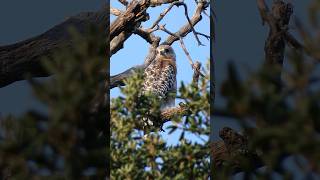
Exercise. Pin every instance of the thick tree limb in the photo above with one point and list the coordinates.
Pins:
(182, 109)
(132, 17)
(118, 80)
(128, 22)
(278, 20)
(26, 57)
(117, 43)
(122, 28)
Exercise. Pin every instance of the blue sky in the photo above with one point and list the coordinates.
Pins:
(135, 48)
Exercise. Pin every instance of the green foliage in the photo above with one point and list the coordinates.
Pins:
(135, 155)
(70, 141)
(286, 120)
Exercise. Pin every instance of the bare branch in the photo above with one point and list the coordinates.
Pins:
(179, 3)
(181, 110)
(161, 16)
(147, 35)
(115, 11)
(26, 57)
(163, 28)
(154, 3)
(118, 80)
(124, 2)
(191, 25)
(263, 10)
(123, 27)
(183, 31)
(131, 18)
(278, 20)
(117, 43)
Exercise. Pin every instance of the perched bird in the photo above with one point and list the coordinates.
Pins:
(160, 76)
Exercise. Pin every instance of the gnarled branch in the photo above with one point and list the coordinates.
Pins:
(26, 57)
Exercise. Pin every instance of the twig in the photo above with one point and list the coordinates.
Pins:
(147, 35)
(263, 10)
(162, 27)
(124, 2)
(115, 11)
(161, 16)
(179, 3)
(204, 35)
(154, 3)
(189, 21)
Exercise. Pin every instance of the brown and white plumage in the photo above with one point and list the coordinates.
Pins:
(160, 76)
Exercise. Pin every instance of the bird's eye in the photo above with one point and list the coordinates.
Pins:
(166, 50)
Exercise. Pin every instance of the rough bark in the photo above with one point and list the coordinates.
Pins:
(25, 57)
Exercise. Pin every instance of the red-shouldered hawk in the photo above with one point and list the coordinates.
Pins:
(160, 76)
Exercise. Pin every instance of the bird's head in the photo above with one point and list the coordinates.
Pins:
(166, 51)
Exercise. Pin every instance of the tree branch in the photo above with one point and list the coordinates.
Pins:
(26, 57)
(183, 48)
(160, 2)
(187, 28)
(181, 110)
(115, 11)
(124, 2)
(128, 22)
(278, 19)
